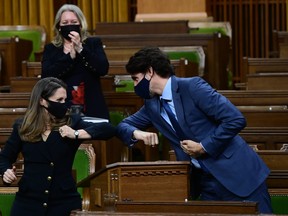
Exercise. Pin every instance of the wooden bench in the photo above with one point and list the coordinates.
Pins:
(161, 27)
(13, 51)
(119, 56)
(262, 73)
(279, 44)
(267, 81)
(261, 108)
(262, 125)
(215, 46)
(32, 72)
(264, 65)
(182, 67)
(34, 33)
(266, 138)
(154, 17)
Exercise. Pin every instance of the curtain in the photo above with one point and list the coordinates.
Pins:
(104, 11)
(28, 12)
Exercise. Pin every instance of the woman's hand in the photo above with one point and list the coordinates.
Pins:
(76, 40)
(10, 175)
(66, 131)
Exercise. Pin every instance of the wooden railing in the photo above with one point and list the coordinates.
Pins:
(253, 23)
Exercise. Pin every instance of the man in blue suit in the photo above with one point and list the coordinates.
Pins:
(223, 166)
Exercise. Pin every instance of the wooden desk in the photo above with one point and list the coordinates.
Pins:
(199, 207)
(106, 213)
(139, 181)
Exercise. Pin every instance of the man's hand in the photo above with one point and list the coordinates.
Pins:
(148, 138)
(192, 148)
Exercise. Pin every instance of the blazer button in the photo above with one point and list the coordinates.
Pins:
(51, 164)
(45, 205)
(46, 191)
(49, 178)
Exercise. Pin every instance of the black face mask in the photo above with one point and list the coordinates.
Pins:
(142, 89)
(57, 109)
(65, 30)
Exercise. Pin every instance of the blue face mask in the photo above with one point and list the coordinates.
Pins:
(142, 89)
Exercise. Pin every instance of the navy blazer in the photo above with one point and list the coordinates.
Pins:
(210, 118)
(47, 176)
(86, 68)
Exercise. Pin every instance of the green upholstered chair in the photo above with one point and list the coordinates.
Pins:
(210, 27)
(279, 201)
(84, 165)
(123, 83)
(116, 117)
(36, 33)
(7, 195)
(191, 53)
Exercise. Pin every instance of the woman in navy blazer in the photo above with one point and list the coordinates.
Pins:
(79, 60)
(48, 138)
(224, 166)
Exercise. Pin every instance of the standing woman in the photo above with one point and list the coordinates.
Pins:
(48, 138)
(78, 60)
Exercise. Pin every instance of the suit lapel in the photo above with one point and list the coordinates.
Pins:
(179, 109)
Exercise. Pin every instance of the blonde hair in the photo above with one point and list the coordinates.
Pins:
(58, 39)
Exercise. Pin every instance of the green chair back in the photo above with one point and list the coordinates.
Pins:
(84, 163)
(6, 202)
(279, 204)
(36, 34)
(124, 83)
(191, 53)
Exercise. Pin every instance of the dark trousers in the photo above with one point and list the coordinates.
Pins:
(205, 187)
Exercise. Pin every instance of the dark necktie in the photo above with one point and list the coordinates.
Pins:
(178, 130)
(173, 120)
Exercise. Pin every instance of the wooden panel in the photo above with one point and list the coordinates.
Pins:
(280, 44)
(275, 159)
(200, 207)
(13, 51)
(163, 27)
(170, 6)
(267, 81)
(216, 49)
(252, 23)
(266, 138)
(139, 181)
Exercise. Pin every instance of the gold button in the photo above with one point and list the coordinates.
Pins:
(49, 178)
(46, 191)
(44, 204)
(52, 164)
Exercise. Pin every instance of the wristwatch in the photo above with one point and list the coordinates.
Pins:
(76, 133)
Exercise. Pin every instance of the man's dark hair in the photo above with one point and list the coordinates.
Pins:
(148, 57)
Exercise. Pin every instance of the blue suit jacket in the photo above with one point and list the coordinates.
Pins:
(210, 118)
